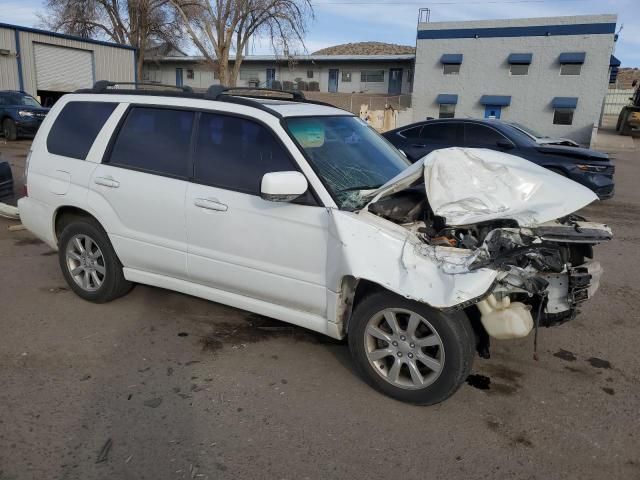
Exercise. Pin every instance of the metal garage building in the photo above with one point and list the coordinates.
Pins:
(48, 64)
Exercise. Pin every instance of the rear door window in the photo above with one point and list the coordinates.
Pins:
(76, 128)
(155, 140)
(234, 153)
(481, 136)
(444, 133)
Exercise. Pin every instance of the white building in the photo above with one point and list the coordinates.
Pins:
(375, 73)
(550, 74)
(48, 64)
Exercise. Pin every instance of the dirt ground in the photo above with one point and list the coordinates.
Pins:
(159, 385)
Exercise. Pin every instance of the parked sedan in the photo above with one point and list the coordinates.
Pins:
(20, 114)
(587, 167)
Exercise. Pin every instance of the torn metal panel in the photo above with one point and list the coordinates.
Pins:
(368, 247)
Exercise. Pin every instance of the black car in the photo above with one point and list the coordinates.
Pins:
(20, 114)
(587, 167)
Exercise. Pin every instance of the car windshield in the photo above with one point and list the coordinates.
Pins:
(347, 155)
(528, 131)
(20, 99)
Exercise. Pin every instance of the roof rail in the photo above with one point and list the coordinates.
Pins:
(102, 86)
(214, 92)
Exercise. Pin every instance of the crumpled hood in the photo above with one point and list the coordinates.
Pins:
(473, 185)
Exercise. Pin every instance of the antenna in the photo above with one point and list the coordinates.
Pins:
(423, 15)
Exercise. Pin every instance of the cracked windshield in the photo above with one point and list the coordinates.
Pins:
(347, 155)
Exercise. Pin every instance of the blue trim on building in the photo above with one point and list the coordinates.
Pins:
(614, 62)
(19, 61)
(451, 59)
(62, 35)
(529, 31)
(576, 58)
(520, 58)
(497, 100)
(447, 99)
(564, 102)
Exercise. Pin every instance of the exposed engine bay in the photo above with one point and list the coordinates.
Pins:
(545, 269)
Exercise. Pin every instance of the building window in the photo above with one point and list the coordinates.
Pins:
(309, 73)
(517, 69)
(450, 69)
(570, 69)
(371, 76)
(563, 116)
(447, 111)
(249, 74)
(346, 76)
(190, 74)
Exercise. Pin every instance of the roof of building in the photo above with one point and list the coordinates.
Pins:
(65, 36)
(367, 48)
(295, 58)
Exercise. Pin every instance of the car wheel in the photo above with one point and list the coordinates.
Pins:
(9, 129)
(408, 350)
(89, 264)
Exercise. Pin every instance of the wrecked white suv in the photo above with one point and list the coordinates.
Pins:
(301, 212)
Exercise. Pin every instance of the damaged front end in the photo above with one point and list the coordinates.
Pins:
(474, 209)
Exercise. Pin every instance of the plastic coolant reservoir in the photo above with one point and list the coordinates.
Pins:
(503, 319)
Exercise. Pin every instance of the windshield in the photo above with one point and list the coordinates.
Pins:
(347, 155)
(532, 133)
(21, 99)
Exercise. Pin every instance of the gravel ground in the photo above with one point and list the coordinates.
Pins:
(161, 385)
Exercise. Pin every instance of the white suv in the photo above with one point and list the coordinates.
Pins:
(301, 212)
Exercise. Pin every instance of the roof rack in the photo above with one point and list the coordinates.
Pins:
(102, 86)
(214, 92)
(248, 96)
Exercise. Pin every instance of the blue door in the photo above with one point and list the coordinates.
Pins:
(333, 80)
(179, 82)
(271, 76)
(395, 81)
(492, 111)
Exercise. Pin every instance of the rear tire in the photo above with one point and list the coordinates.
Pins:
(435, 350)
(89, 263)
(9, 129)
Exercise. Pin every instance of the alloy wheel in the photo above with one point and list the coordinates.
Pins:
(404, 348)
(85, 262)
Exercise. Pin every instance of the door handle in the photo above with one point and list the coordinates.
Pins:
(106, 182)
(210, 204)
(419, 145)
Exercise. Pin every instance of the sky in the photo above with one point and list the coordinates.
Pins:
(344, 21)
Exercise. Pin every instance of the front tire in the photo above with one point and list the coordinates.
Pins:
(408, 350)
(89, 263)
(9, 129)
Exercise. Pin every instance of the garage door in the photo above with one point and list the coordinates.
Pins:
(61, 69)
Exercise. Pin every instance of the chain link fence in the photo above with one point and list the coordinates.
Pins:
(353, 101)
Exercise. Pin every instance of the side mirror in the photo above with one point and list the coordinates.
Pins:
(283, 186)
(505, 144)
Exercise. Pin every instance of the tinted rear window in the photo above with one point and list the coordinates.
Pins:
(444, 132)
(156, 140)
(76, 128)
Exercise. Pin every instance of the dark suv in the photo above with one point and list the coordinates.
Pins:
(20, 114)
(588, 167)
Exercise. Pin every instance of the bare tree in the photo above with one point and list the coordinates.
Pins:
(132, 22)
(220, 27)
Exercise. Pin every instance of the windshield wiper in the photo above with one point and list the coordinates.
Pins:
(360, 187)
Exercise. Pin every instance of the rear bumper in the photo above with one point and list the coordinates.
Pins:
(38, 218)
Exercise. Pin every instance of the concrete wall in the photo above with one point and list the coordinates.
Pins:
(8, 63)
(165, 72)
(485, 71)
(615, 99)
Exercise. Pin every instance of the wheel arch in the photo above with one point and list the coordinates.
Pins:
(65, 214)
